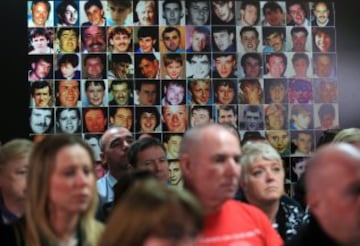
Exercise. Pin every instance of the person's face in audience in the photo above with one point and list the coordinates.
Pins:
(154, 159)
(299, 41)
(279, 140)
(227, 116)
(252, 68)
(277, 93)
(64, 189)
(175, 175)
(321, 13)
(121, 93)
(225, 65)
(147, 43)
(249, 41)
(225, 94)
(42, 97)
(68, 41)
(175, 118)
(223, 10)
(67, 70)
(199, 13)
(201, 92)
(40, 43)
(198, 41)
(327, 91)
(172, 13)
(274, 17)
(252, 121)
(201, 66)
(69, 121)
(174, 70)
(275, 40)
(323, 66)
(323, 41)
(147, 94)
(149, 69)
(297, 14)
(249, 15)
(94, 68)
(118, 12)
(264, 181)
(68, 93)
(123, 117)
(276, 66)
(171, 40)
(95, 94)
(300, 67)
(94, 39)
(173, 146)
(147, 122)
(95, 15)
(146, 13)
(40, 120)
(95, 120)
(174, 94)
(71, 15)
(199, 117)
(120, 42)
(303, 143)
(40, 14)
(41, 68)
(223, 39)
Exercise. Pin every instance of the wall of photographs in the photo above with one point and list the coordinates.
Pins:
(161, 67)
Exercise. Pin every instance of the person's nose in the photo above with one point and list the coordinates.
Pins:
(81, 179)
(232, 168)
(175, 118)
(269, 175)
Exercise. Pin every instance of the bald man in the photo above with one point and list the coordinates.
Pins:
(332, 182)
(114, 144)
(209, 161)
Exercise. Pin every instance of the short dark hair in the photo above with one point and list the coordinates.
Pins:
(141, 145)
(61, 8)
(255, 56)
(171, 1)
(298, 56)
(208, 108)
(148, 31)
(297, 29)
(95, 82)
(63, 29)
(151, 110)
(170, 29)
(121, 58)
(272, 6)
(35, 32)
(39, 85)
(73, 59)
(249, 29)
(91, 3)
(326, 109)
(46, 2)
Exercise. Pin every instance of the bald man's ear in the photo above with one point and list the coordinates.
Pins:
(185, 165)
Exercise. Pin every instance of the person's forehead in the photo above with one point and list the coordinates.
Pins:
(172, 5)
(199, 58)
(201, 111)
(147, 86)
(123, 111)
(199, 4)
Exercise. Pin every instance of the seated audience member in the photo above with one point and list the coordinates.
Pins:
(219, 159)
(14, 163)
(332, 197)
(67, 67)
(147, 119)
(60, 208)
(165, 216)
(149, 154)
(348, 135)
(262, 181)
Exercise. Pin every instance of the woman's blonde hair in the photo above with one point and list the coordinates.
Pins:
(349, 135)
(42, 161)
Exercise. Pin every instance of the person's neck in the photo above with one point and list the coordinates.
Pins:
(17, 207)
(269, 208)
(118, 170)
(64, 224)
(322, 24)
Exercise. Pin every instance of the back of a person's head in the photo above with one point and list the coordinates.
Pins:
(151, 209)
(348, 135)
(13, 150)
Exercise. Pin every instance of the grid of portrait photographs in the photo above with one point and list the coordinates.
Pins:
(161, 67)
